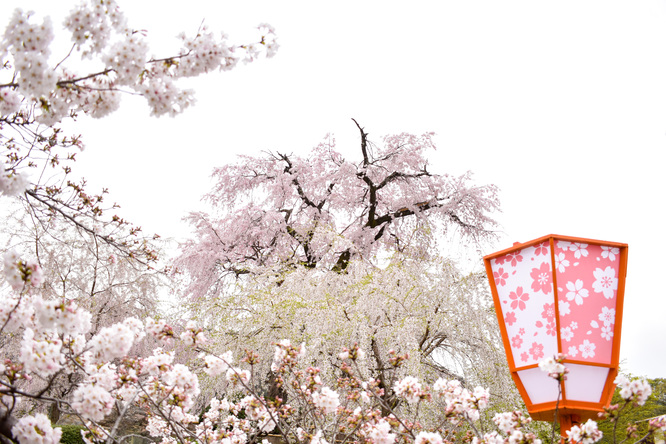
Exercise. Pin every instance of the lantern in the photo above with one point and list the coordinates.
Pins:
(560, 294)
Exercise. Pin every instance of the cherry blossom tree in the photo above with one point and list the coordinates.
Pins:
(77, 269)
(326, 251)
(279, 211)
(72, 268)
(430, 311)
(37, 92)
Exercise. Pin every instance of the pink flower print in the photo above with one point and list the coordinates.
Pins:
(542, 248)
(516, 341)
(567, 334)
(609, 252)
(524, 356)
(548, 312)
(521, 331)
(565, 308)
(518, 298)
(501, 276)
(500, 260)
(573, 325)
(587, 349)
(606, 282)
(536, 350)
(561, 262)
(550, 328)
(607, 315)
(514, 258)
(542, 279)
(510, 318)
(607, 332)
(576, 291)
(573, 351)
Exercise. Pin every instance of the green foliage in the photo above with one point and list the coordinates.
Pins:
(638, 415)
(71, 434)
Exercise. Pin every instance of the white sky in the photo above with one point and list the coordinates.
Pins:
(561, 104)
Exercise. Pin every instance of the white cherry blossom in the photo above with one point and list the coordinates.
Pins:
(605, 282)
(576, 292)
(36, 430)
(587, 349)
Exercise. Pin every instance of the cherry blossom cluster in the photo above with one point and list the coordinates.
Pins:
(37, 429)
(460, 401)
(636, 390)
(554, 366)
(10, 101)
(99, 31)
(19, 273)
(326, 399)
(586, 433)
(56, 337)
(513, 425)
(658, 423)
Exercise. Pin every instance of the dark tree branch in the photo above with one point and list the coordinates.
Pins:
(364, 144)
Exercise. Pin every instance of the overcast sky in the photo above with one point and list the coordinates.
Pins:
(560, 104)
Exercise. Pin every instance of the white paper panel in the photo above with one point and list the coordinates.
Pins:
(585, 382)
(524, 285)
(540, 387)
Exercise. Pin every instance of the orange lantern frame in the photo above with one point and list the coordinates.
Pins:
(569, 409)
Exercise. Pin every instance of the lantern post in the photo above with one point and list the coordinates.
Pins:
(561, 295)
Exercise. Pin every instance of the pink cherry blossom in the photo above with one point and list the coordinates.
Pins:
(536, 350)
(514, 258)
(500, 276)
(510, 318)
(542, 279)
(550, 328)
(518, 299)
(548, 312)
(541, 248)
(516, 341)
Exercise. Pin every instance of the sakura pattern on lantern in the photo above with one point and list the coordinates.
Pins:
(587, 282)
(587, 278)
(524, 283)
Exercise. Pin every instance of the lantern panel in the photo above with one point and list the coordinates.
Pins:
(585, 382)
(524, 283)
(587, 281)
(539, 386)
